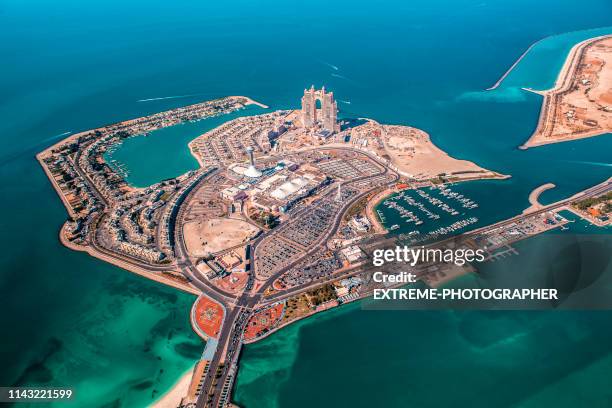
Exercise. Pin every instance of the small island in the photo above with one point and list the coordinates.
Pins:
(278, 223)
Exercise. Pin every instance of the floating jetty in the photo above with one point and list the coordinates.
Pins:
(456, 226)
(425, 200)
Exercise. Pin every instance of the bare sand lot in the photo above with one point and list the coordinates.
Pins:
(580, 105)
(411, 152)
(213, 235)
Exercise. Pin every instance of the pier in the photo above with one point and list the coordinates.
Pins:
(503, 77)
(535, 195)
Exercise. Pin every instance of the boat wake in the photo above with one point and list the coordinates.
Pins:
(161, 98)
(334, 67)
(339, 76)
(28, 150)
(592, 163)
(54, 137)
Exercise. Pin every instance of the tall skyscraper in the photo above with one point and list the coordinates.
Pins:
(329, 109)
(309, 108)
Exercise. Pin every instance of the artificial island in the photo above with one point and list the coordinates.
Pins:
(580, 104)
(280, 220)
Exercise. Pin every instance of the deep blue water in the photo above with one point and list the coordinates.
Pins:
(70, 66)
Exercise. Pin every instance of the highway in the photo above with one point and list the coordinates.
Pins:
(238, 313)
(240, 309)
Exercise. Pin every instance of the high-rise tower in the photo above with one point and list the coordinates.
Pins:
(309, 108)
(329, 109)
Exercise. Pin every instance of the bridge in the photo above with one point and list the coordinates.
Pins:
(217, 380)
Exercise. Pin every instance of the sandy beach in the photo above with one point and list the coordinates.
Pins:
(411, 153)
(370, 210)
(250, 101)
(580, 104)
(172, 398)
(127, 266)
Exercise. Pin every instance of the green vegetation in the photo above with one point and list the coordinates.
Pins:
(265, 219)
(321, 294)
(296, 307)
(356, 208)
(590, 202)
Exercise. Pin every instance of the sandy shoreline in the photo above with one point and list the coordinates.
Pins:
(114, 261)
(250, 101)
(371, 214)
(411, 152)
(172, 398)
(127, 266)
(75, 136)
(547, 121)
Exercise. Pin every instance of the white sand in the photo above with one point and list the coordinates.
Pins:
(172, 398)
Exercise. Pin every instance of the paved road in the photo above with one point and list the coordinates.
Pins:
(230, 337)
(239, 308)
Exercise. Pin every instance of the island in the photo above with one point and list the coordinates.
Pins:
(278, 223)
(580, 104)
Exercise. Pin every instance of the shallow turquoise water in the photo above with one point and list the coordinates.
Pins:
(358, 356)
(79, 65)
(162, 154)
(70, 320)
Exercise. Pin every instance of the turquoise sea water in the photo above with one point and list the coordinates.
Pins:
(162, 154)
(444, 358)
(121, 340)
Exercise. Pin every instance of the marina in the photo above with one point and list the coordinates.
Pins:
(119, 339)
(428, 213)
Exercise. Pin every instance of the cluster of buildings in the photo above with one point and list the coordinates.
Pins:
(276, 189)
(76, 193)
(597, 210)
(89, 186)
(281, 191)
(131, 226)
(346, 286)
(353, 254)
(231, 142)
(222, 265)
